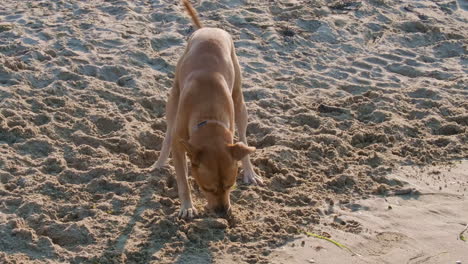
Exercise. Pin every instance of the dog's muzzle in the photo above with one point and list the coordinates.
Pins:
(223, 211)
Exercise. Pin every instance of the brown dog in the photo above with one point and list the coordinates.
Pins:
(204, 103)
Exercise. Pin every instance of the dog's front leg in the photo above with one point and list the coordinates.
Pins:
(250, 177)
(180, 163)
(241, 118)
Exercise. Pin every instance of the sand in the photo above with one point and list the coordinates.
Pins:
(341, 95)
(418, 227)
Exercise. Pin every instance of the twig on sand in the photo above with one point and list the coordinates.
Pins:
(461, 236)
(332, 241)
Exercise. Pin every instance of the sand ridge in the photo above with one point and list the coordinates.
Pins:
(339, 94)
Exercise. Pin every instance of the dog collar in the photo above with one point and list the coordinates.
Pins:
(211, 122)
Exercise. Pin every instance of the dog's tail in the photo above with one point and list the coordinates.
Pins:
(192, 13)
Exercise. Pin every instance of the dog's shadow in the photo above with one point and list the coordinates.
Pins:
(155, 234)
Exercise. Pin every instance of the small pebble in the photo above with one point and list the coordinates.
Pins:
(311, 261)
(458, 262)
(302, 243)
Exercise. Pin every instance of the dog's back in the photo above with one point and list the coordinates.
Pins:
(209, 50)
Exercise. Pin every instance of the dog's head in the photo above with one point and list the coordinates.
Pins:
(215, 170)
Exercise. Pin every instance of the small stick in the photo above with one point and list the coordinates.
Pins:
(331, 241)
(461, 233)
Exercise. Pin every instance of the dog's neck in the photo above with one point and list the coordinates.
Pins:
(213, 129)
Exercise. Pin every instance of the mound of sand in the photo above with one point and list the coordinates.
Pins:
(340, 94)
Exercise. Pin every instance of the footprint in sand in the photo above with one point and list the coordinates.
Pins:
(255, 67)
(67, 235)
(150, 140)
(463, 4)
(309, 25)
(112, 73)
(41, 119)
(450, 49)
(166, 16)
(53, 165)
(78, 45)
(425, 93)
(355, 89)
(54, 102)
(166, 41)
(405, 70)
(375, 60)
(106, 125)
(36, 148)
(74, 213)
(68, 76)
(115, 9)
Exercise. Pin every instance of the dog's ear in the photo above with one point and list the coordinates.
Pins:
(192, 152)
(240, 150)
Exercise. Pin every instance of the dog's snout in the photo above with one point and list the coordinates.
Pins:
(223, 210)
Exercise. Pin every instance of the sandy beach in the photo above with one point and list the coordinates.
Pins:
(421, 226)
(358, 111)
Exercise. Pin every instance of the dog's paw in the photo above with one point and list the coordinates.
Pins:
(188, 212)
(250, 177)
(159, 164)
(156, 166)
